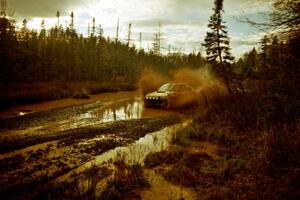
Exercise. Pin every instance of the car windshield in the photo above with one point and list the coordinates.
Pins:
(173, 87)
(166, 87)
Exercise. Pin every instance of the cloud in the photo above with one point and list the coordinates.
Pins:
(251, 41)
(183, 22)
(154, 22)
(43, 8)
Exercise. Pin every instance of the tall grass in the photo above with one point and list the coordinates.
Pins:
(125, 183)
(258, 147)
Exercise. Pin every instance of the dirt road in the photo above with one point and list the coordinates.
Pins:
(41, 146)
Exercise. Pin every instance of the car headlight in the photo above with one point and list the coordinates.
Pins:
(152, 98)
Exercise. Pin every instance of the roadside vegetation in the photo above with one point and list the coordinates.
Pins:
(114, 181)
(255, 128)
(245, 159)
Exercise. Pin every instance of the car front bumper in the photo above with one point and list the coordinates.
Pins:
(155, 102)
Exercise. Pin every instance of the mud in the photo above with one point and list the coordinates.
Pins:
(31, 129)
(37, 148)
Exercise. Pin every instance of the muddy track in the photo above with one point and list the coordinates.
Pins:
(44, 117)
(37, 148)
(132, 129)
(37, 159)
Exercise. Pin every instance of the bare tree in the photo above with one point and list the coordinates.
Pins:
(3, 7)
(157, 41)
(117, 32)
(283, 18)
(58, 16)
(140, 40)
(94, 26)
(72, 21)
(129, 35)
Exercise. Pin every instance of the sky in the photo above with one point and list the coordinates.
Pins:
(183, 22)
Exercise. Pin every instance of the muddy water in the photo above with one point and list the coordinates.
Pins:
(105, 108)
(31, 108)
(137, 152)
(125, 106)
(134, 153)
(125, 109)
(115, 100)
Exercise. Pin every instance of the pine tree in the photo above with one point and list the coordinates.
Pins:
(217, 40)
(24, 33)
(8, 48)
(42, 34)
(264, 46)
(250, 63)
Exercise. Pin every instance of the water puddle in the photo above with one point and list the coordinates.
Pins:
(21, 110)
(119, 110)
(94, 114)
(126, 109)
(134, 153)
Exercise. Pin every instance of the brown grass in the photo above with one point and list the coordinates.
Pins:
(126, 183)
(258, 150)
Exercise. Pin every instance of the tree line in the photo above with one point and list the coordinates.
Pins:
(62, 54)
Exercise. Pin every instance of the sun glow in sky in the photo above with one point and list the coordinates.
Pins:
(183, 22)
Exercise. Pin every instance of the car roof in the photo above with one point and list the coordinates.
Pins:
(176, 84)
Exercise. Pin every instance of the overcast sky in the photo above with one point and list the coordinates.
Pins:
(183, 22)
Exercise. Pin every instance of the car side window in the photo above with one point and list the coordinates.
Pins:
(180, 88)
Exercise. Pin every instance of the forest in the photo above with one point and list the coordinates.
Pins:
(62, 54)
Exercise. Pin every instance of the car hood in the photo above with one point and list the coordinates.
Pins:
(157, 94)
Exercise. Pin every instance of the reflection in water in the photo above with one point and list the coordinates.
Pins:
(134, 153)
(122, 110)
(22, 113)
(137, 152)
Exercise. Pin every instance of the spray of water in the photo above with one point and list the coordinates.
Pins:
(151, 81)
(207, 87)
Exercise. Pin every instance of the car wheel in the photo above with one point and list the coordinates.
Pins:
(165, 105)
